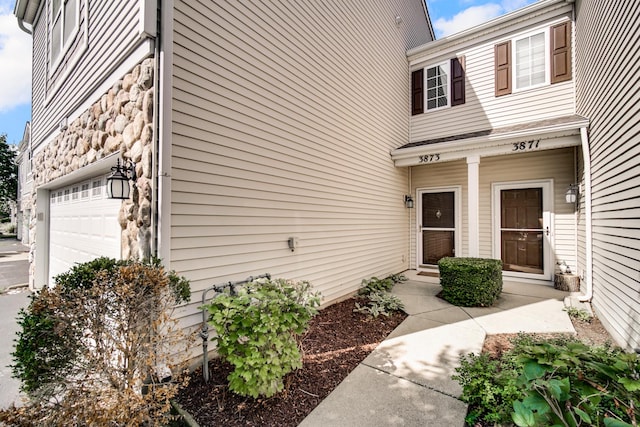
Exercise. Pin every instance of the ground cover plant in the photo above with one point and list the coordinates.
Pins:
(552, 381)
(100, 347)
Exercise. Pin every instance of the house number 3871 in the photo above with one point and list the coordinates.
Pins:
(526, 145)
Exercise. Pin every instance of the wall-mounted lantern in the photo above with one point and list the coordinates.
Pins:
(572, 193)
(118, 182)
(408, 202)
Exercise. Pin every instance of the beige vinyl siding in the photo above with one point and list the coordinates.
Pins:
(607, 95)
(557, 165)
(283, 117)
(482, 109)
(112, 32)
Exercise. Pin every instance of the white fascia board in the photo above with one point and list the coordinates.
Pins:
(485, 146)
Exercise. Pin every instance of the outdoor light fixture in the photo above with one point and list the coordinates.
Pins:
(118, 182)
(572, 193)
(408, 202)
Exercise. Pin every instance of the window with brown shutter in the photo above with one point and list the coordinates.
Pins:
(561, 52)
(503, 68)
(417, 92)
(457, 81)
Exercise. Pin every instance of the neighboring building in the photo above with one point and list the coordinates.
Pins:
(255, 124)
(607, 85)
(24, 186)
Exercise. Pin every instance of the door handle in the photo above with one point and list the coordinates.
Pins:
(547, 231)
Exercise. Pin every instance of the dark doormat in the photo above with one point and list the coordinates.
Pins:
(428, 273)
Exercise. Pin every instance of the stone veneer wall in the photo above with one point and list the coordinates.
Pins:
(121, 120)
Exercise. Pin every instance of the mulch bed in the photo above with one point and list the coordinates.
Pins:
(337, 341)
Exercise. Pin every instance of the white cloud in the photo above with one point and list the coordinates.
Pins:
(475, 15)
(15, 62)
(468, 18)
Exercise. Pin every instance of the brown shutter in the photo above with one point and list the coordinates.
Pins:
(503, 68)
(417, 92)
(457, 81)
(561, 52)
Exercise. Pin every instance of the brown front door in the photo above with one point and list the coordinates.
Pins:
(521, 230)
(438, 226)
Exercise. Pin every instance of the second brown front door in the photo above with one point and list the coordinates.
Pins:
(522, 230)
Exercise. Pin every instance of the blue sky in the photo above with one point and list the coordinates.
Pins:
(447, 16)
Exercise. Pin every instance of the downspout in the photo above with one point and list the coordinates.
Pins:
(22, 27)
(584, 136)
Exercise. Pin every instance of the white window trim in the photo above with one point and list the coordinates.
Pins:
(54, 63)
(52, 89)
(548, 221)
(457, 205)
(447, 66)
(547, 58)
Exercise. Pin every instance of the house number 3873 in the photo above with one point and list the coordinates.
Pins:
(429, 158)
(526, 145)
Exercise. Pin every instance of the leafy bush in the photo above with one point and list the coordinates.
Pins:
(376, 285)
(256, 332)
(378, 299)
(573, 384)
(489, 387)
(94, 349)
(380, 303)
(579, 314)
(470, 282)
(559, 382)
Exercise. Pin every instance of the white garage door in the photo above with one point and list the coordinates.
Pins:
(83, 225)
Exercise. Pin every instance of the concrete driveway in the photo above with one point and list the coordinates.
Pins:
(14, 267)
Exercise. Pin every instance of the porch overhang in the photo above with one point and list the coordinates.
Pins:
(532, 136)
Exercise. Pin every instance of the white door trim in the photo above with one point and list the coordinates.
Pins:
(457, 197)
(547, 224)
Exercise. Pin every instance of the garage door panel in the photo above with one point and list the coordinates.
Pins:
(83, 225)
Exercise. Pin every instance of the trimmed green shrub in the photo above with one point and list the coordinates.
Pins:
(256, 332)
(470, 282)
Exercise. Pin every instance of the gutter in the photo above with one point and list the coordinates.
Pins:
(584, 136)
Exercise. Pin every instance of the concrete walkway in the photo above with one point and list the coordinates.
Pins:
(406, 380)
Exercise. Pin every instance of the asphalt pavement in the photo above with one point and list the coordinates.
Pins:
(14, 294)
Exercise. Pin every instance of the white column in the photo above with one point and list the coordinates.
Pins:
(473, 190)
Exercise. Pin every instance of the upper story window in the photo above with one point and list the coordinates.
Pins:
(444, 83)
(537, 59)
(530, 60)
(65, 16)
(437, 86)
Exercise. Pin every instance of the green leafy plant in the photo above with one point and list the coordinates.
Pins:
(470, 282)
(378, 298)
(376, 285)
(552, 382)
(256, 332)
(380, 302)
(489, 387)
(572, 384)
(101, 346)
(579, 314)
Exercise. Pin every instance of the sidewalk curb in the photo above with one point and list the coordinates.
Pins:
(186, 417)
(13, 288)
